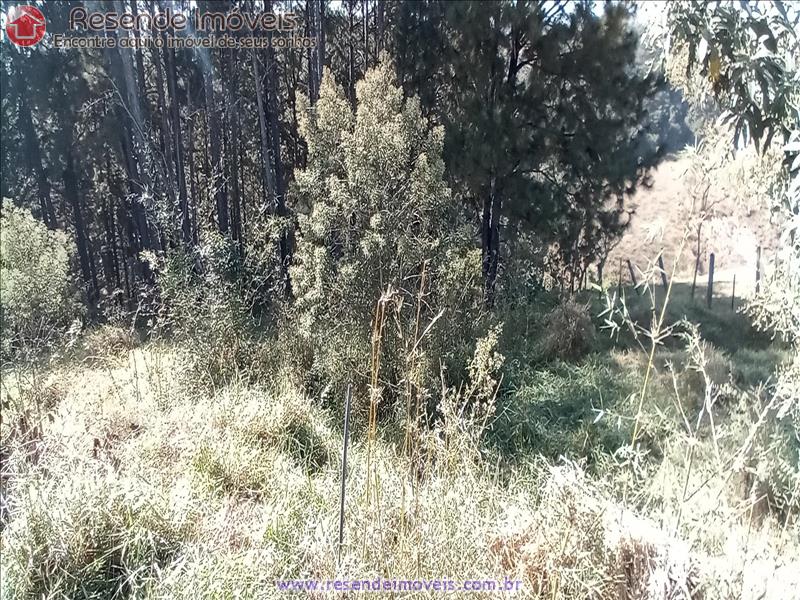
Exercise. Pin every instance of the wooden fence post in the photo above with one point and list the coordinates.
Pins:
(619, 280)
(663, 271)
(758, 269)
(733, 293)
(633, 274)
(710, 290)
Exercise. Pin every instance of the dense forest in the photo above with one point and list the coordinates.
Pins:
(225, 221)
(162, 149)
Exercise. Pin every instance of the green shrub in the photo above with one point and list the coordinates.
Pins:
(568, 331)
(37, 302)
(566, 409)
(206, 311)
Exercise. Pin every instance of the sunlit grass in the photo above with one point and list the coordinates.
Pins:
(135, 485)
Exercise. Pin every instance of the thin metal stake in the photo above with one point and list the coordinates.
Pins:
(344, 473)
(633, 278)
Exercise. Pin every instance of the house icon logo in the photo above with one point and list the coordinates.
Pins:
(25, 25)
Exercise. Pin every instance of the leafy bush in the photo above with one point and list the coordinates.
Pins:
(466, 411)
(205, 308)
(568, 331)
(37, 302)
(758, 102)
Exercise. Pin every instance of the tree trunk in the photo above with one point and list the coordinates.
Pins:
(34, 153)
(313, 12)
(379, 26)
(268, 183)
(365, 23)
(233, 142)
(192, 170)
(177, 144)
(217, 178)
(351, 74)
(165, 136)
(133, 146)
(490, 241)
(138, 54)
(110, 258)
(125, 231)
(697, 258)
(280, 185)
(320, 50)
(81, 238)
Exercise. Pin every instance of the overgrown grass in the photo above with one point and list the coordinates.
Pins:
(562, 408)
(127, 482)
(728, 329)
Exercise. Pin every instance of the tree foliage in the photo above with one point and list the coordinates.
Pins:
(37, 301)
(538, 136)
(749, 55)
(378, 231)
(491, 147)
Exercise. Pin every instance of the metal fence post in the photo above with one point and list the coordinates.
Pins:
(633, 274)
(344, 472)
(758, 269)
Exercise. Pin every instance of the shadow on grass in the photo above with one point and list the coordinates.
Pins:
(584, 408)
(729, 329)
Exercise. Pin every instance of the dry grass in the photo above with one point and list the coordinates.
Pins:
(577, 543)
(142, 488)
(109, 341)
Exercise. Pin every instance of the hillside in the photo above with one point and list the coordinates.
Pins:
(733, 230)
(298, 298)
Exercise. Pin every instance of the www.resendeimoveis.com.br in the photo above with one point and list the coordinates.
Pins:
(379, 584)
